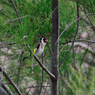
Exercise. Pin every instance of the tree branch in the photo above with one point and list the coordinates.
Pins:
(19, 67)
(12, 83)
(3, 12)
(15, 10)
(44, 68)
(93, 27)
(52, 54)
(18, 18)
(3, 92)
(34, 87)
(6, 89)
(74, 37)
(42, 75)
(71, 24)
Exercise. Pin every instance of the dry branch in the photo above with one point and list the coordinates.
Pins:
(18, 18)
(15, 10)
(44, 68)
(11, 82)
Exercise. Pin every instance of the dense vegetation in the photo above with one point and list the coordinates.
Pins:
(24, 22)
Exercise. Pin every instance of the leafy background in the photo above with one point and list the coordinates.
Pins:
(77, 72)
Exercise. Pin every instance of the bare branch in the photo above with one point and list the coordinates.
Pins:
(19, 67)
(17, 18)
(84, 46)
(74, 62)
(42, 74)
(46, 87)
(93, 27)
(79, 40)
(89, 41)
(3, 12)
(3, 92)
(34, 87)
(6, 89)
(61, 49)
(44, 68)
(15, 10)
(51, 51)
(84, 56)
(12, 83)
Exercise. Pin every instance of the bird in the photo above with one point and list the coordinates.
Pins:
(39, 48)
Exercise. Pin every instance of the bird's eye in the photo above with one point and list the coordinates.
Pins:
(44, 38)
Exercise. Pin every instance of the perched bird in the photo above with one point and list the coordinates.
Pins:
(38, 50)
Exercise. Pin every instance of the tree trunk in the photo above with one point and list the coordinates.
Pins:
(54, 47)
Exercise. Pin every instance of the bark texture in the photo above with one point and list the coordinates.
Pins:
(54, 47)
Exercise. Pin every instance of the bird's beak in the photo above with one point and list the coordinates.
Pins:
(46, 41)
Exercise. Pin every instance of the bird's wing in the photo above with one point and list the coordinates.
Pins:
(37, 46)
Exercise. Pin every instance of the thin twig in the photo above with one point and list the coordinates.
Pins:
(84, 56)
(16, 63)
(15, 10)
(33, 87)
(18, 18)
(46, 87)
(42, 74)
(89, 41)
(93, 27)
(12, 20)
(71, 24)
(19, 67)
(52, 54)
(80, 40)
(74, 37)
(74, 60)
(3, 12)
(61, 49)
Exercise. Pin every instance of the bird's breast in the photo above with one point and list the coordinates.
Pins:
(41, 46)
(40, 50)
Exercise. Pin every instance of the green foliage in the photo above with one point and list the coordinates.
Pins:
(38, 23)
(80, 83)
